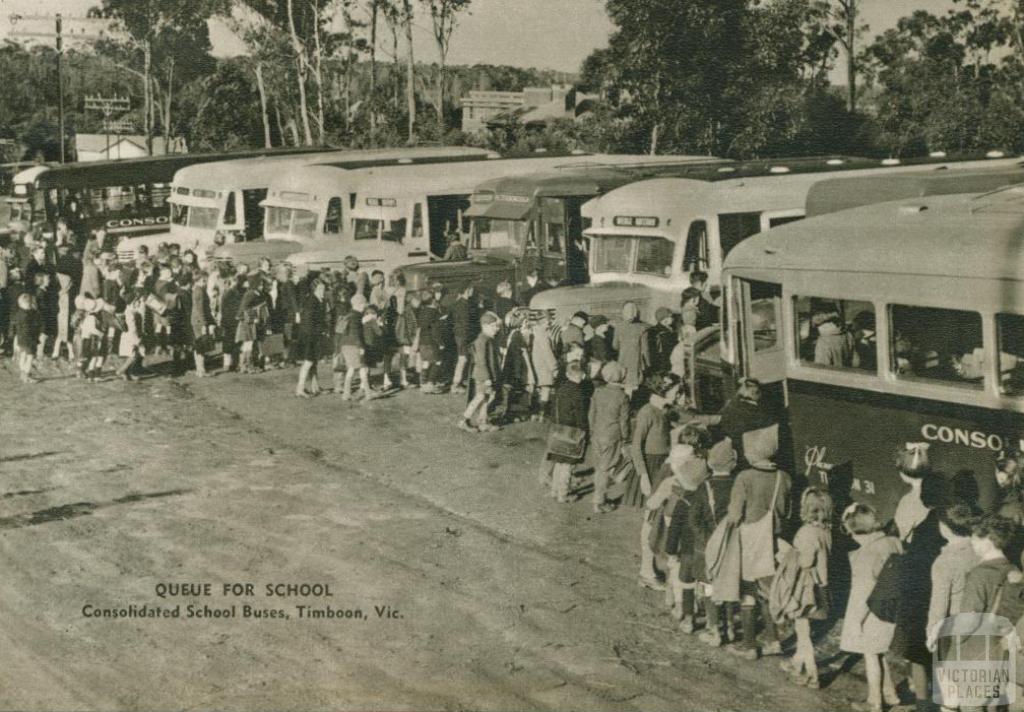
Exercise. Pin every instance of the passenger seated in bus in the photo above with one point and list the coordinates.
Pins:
(834, 344)
(970, 366)
(865, 341)
(456, 250)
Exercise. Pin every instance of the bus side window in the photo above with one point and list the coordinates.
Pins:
(733, 228)
(836, 333)
(763, 314)
(230, 215)
(555, 236)
(417, 220)
(937, 344)
(1010, 329)
(696, 255)
(333, 220)
(775, 222)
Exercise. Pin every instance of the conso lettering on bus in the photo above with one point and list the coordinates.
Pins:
(132, 222)
(961, 436)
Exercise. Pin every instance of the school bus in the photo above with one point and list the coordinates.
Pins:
(397, 215)
(924, 304)
(647, 237)
(225, 196)
(125, 197)
(536, 219)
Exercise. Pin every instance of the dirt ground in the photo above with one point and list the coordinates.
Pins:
(476, 591)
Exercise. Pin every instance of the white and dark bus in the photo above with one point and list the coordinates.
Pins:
(928, 297)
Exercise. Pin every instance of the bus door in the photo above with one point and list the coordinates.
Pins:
(252, 213)
(444, 215)
(760, 350)
(577, 257)
(553, 244)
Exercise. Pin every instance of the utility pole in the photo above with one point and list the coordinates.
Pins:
(58, 33)
(60, 81)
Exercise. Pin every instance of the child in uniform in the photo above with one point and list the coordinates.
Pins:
(710, 507)
(863, 632)
(813, 543)
(485, 374)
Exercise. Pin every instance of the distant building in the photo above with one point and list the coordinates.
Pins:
(101, 147)
(533, 105)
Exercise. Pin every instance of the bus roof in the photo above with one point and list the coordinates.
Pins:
(590, 179)
(261, 170)
(139, 170)
(681, 199)
(835, 194)
(732, 189)
(975, 236)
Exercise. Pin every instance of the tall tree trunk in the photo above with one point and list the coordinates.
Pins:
(166, 118)
(147, 98)
(440, 97)
(280, 127)
(374, 8)
(410, 64)
(300, 63)
(263, 105)
(655, 130)
(851, 56)
(318, 74)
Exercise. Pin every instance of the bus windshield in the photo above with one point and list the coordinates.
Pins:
(290, 221)
(487, 233)
(633, 253)
(367, 229)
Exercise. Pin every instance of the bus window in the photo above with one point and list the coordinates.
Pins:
(396, 231)
(937, 344)
(333, 220)
(179, 214)
(612, 254)
(733, 228)
(555, 233)
(230, 218)
(696, 255)
(367, 229)
(204, 218)
(1010, 328)
(654, 256)
(159, 193)
(836, 333)
(764, 315)
(417, 220)
(278, 220)
(252, 212)
(775, 222)
(303, 223)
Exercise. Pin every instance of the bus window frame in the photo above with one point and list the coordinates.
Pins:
(793, 349)
(769, 365)
(340, 222)
(986, 319)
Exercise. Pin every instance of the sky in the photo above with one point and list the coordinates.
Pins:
(548, 34)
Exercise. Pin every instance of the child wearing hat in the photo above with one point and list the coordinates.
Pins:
(600, 344)
(629, 343)
(543, 359)
(485, 375)
(572, 406)
(430, 343)
(26, 335)
(711, 505)
(685, 556)
(609, 431)
(662, 339)
(759, 505)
